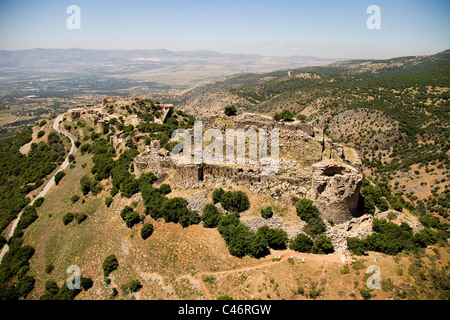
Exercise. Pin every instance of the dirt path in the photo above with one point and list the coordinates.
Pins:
(49, 184)
(335, 257)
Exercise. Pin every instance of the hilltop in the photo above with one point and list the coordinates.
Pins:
(362, 180)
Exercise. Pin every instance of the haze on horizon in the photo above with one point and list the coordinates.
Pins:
(325, 29)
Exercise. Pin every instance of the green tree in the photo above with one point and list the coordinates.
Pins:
(235, 201)
(217, 195)
(315, 226)
(306, 209)
(80, 217)
(129, 187)
(146, 230)
(258, 246)
(108, 201)
(134, 285)
(230, 110)
(301, 243)
(276, 238)
(86, 283)
(267, 212)
(129, 216)
(323, 245)
(85, 183)
(58, 176)
(286, 115)
(175, 210)
(68, 218)
(210, 216)
(110, 264)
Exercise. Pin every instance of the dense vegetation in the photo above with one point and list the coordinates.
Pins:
(309, 213)
(20, 174)
(303, 243)
(241, 241)
(233, 201)
(391, 238)
(14, 280)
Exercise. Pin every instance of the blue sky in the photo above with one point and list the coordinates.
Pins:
(320, 28)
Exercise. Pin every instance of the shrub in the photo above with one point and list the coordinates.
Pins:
(68, 218)
(85, 147)
(165, 189)
(230, 110)
(306, 210)
(301, 117)
(356, 246)
(58, 176)
(74, 198)
(286, 115)
(425, 237)
(210, 216)
(300, 290)
(29, 215)
(40, 134)
(114, 190)
(217, 195)
(323, 245)
(235, 201)
(129, 216)
(110, 264)
(146, 230)
(224, 297)
(49, 268)
(277, 116)
(258, 246)
(108, 201)
(301, 243)
(38, 202)
(129, 187)
(175, 210)
(71, 158)
(134, 285)
(345, 269)
(365, 294)
(313, 293)
(315, 226)
(80, 217)
(85, 183)
(276, 238)
(86, 283)
(267, 212)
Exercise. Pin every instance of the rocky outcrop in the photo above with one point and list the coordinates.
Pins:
(196, 201)
(335, 190)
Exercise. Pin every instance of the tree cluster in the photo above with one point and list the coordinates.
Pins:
(232, 201)
(391, 238)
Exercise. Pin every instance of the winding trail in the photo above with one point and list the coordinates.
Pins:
(49, 184)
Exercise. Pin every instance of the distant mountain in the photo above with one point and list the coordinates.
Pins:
(182, 69)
